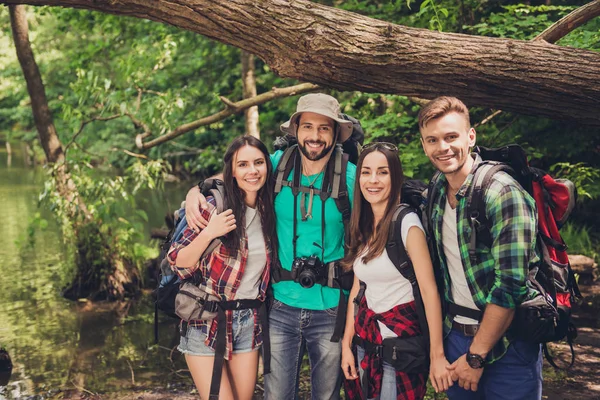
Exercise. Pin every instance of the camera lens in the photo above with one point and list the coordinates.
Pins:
(307, 279)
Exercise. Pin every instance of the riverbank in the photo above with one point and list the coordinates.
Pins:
(578, 383)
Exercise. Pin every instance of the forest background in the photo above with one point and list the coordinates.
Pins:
(111, 80)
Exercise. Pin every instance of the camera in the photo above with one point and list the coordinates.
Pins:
(307, 271)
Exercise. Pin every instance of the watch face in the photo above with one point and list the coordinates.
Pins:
(475, 360)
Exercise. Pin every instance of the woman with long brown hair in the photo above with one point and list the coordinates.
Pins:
(236, 273)
(387, 309)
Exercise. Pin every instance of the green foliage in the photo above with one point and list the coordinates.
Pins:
(520, 21)
(583, 176)
(113, 223)
(438, 14)
(35, 223)
(580, 239)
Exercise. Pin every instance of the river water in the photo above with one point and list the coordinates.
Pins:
(59, 344)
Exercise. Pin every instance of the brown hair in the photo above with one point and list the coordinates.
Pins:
(441, 106)
(362, 232)
(235, 197)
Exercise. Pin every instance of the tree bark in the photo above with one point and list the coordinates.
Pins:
(346, 51)
(249, 84)
(39, 103)
(119, 278)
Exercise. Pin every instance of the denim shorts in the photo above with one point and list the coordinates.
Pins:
(193, 343)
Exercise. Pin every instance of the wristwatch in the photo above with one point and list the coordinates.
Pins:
(475, 361)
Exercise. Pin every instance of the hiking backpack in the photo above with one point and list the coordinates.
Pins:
(546, 317)
(168, 281)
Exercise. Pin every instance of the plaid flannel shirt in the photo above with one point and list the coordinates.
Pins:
(221, 276)
(404, 322)
(500, 276)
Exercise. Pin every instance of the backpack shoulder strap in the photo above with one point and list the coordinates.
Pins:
(480, 225)
(284, 167)
(397, 253)
(219, 196)
(395, 247)
(339, 190)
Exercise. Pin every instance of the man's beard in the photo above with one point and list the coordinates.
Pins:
(311, 154)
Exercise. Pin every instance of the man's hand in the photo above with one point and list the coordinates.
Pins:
(467, 377)
(348, 363)
(440, 375)
(194, 200)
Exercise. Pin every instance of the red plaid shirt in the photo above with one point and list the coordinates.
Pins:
(221, 276)
(403, 321)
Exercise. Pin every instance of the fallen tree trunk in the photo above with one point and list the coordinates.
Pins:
(347, 51)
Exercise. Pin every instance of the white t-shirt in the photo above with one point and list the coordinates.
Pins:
(386, 287)
(257, 257)
(461, 294)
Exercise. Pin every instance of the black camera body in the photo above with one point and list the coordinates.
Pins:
(307, 271)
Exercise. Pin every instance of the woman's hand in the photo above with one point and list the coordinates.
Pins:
(220, 224)
(439, 374)
(348, 365)
(194, 200)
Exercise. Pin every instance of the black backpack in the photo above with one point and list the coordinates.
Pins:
(168, 280)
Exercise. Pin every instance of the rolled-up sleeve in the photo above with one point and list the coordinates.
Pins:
(513, 217)
(186, 238)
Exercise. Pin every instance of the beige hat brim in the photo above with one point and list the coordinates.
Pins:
(345, 126)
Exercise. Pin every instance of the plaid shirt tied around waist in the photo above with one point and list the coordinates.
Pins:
(500, 275)
(221, 272)
(403, 321)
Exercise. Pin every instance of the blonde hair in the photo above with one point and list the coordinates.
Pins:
(440, 107)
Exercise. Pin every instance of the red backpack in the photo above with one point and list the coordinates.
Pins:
(546, 317)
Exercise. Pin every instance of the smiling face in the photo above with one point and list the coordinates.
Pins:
(249, 170)
(315, 135)
(375, 179)
(447, 141)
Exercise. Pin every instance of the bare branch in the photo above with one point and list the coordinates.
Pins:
(569, 23)
(488, 118)
(241, 105)
(229, 104)
(557, 31)
(83, 125)
(130, 153)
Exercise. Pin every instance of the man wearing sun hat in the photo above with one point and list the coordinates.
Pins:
(303, 319)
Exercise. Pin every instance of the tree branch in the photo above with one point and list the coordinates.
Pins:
(557, 31)
(231, 109)
(83, 125)
(570, 22)
(342, 50)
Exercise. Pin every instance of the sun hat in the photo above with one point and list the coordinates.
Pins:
(323, 104)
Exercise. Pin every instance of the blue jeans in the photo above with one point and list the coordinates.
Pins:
(294, 331)
(388, 382)
(515, 376)
(243, 336)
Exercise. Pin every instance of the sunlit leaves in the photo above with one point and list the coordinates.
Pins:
(583, 176)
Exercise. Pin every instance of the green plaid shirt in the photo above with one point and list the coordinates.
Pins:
(499, 278)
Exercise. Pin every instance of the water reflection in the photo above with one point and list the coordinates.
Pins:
(55, 343)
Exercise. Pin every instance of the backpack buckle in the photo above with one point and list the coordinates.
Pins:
(210, 306)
